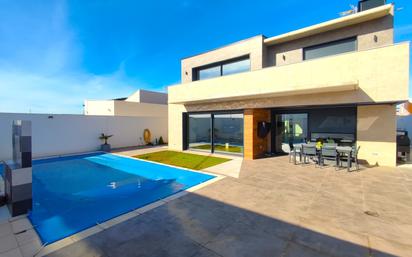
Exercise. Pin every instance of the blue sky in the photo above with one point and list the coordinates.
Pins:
(55, 54)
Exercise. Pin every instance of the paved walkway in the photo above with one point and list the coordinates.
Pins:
(274, 209)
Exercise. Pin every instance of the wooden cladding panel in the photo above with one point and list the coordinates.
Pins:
(254, 147)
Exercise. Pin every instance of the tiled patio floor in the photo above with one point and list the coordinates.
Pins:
(274, 209)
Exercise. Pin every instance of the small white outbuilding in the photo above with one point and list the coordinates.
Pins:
(141, 103)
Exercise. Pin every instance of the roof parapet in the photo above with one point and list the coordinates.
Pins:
(338, 23)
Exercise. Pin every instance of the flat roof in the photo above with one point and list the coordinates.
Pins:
(341, 22)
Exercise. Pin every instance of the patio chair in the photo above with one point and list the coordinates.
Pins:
(309, 151)
(290, 152)
(328, 152)
(346, 142)
(355, 151)
(353, 158)
(295, 149)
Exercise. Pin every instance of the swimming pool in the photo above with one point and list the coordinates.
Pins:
(73, 193)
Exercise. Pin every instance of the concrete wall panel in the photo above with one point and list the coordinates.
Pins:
(66, 134)
(376, 134)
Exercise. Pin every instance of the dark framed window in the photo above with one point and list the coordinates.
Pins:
(330, 48)
(208, 73)
(333, 122)
(236, 67)
(232, 66)
(199, 131)
(214, 132)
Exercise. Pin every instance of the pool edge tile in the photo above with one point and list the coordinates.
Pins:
(17, 217)
(85, 233)
(33, 248)
(27, 237)
(150, 206)
(175, 196)
(120, 219)
(55, 246)
(206, 183)
(22, 224)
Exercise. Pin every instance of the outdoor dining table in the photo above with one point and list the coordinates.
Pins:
(347, 151)
(341, 150)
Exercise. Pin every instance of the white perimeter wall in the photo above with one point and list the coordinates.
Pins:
(66, 134)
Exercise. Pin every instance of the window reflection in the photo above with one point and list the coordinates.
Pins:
(228, 133)
(290, 129)
(331, 48)
(223, 68)
(236, 67)
(209, 73)
(199, 131)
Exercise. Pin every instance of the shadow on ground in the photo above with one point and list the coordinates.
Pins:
(195, 226)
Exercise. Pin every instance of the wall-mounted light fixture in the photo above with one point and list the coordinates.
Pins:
(284, 57)
(186, 73)
(375, 38)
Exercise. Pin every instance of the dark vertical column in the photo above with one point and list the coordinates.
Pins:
(185, 124)
(212, 132)
(273, 132)
(18, 183)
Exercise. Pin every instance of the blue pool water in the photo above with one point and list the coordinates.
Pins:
(71, 194)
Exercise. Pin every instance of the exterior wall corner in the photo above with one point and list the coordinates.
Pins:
(376, 134)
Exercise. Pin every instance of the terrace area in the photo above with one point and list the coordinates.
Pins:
(274, 208)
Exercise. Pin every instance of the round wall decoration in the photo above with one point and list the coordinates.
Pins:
(147, 136)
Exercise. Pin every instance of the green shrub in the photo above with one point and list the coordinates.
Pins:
(161, 142)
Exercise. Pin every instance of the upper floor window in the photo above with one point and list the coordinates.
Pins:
(236, 67)
(223, 68)
(330, 48)
(208, 73)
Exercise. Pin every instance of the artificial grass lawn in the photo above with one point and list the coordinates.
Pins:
(231, 149)
(185, 160)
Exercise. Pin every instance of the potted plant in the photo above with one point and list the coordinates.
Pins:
(105, 147)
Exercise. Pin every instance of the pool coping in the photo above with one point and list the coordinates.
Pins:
(66, 155)
(46, 249)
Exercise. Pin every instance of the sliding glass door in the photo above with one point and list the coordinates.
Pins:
(200, 137)
(216, 132)
(228, 133)
(290, 129)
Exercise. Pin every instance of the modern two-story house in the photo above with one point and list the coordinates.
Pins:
(339, 80)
